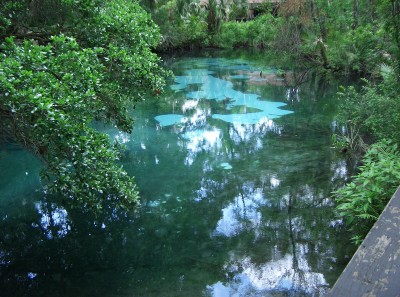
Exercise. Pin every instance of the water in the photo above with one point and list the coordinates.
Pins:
(235, 170)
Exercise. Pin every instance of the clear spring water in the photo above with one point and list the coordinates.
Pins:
(235, 170)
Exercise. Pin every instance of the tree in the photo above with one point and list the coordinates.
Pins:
(355, 14)
(213, 16)
(182, 23)
(390, 10)
(86, 60)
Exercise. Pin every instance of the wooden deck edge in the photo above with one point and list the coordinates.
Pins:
(374, 270)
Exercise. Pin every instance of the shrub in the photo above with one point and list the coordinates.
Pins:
(361, 202)
(357, 50)
(374, 109)
(261, 32)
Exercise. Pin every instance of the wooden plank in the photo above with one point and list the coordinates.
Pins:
(374, 269)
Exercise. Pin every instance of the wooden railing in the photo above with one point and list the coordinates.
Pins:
(374, 269)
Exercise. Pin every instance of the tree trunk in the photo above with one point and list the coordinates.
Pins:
(373, 10)
(324, 56)
(396, 32)
(355, 14)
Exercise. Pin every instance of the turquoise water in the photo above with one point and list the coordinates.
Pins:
(235, 170)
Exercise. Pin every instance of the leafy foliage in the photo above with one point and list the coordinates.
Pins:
(374, 109)
(53, 88)
(259, 33)
(361, 201)
(182, 23)
(358, 50)
(338, 35)
(213, 16)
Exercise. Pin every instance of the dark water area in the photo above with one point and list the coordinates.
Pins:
(235, 168)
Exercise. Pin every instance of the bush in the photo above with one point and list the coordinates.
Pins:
(357, 50)
(374, 109)
(261, 33)
(361, 202)
(189, 32)
(232, 34)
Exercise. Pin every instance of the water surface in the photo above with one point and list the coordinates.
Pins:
(235, 170)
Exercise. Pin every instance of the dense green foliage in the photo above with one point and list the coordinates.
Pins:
(260, 33)
(361, 202)
(371, 115)
(52, 88)
(371, 112)
(373, 109)
(182, 23)
(345, 36)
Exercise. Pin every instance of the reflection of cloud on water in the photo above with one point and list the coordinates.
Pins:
(54, 219)
(197, 119)
(274, 182)
(200, 140)
(283, 275)
(340, 170)
(241, 214)
(189, 104)
(209, 188)
(243, 133)
(122, 137)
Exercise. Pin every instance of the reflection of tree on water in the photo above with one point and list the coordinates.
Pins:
(292, 81)
(41, 251)
(301, 278)
(292, 217)
(290, 275)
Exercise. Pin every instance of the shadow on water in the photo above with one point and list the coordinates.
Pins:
(235, 170)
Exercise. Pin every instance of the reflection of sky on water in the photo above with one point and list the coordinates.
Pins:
(309, 195)
(196, 141)
(169, 119)
(122, 137)
(340, 170)
(202, 139)
(241, 213)
(285, 274)
(274, 182)
(243, 133)
(250, 124)
(189, 105)
(198, 118)
(54, 219)
(214, 88)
